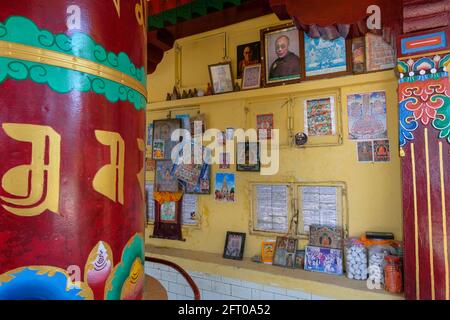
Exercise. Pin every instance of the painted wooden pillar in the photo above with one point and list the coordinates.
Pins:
(424, 112)
(72, 122)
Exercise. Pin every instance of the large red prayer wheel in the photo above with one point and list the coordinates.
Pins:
(72, 124)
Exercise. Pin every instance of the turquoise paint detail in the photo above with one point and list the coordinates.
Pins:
(28, 284)
(442, 120)
(24, 31)
(64, 81)
(135, 249)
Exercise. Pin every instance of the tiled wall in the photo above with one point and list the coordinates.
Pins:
(215, 287)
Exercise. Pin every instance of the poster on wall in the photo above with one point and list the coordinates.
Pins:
(164, 180)
(381, 151)
(320, 117)
(204, 182)
(189, 206)
(365, 151)
(247, 155)
(264, 124)
(224, 189)
(324, 56)
(367, 116)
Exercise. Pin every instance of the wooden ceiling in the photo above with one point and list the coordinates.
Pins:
(163, 38)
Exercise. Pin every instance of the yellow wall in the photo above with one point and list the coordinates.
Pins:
(374, 194)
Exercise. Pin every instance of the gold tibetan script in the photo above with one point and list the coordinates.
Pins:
(35, 186)
(109, 179)
(141, 174)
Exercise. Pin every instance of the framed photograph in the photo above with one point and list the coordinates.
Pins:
(247, 55)
(234, 246)
(164, 180)
(325, 236)
(359, 55)
(381, 151)
(198, 125)
(325, 57)
(326, 260)
(221, 78)
(281, 52)
(247, 155)
(367, 116)
(150, 202)
(379, 54)
(264, 122)
(299, 259)
(365, 151)
(252, 77)
(285, 249)
(320, 117)
(162, 133)
(224, 187)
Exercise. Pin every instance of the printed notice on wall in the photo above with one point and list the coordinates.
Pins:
(319, 206)
(272, 207)
(189, 209)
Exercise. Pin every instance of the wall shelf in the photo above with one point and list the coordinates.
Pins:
(297, 88)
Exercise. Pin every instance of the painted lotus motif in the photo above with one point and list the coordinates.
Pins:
(41, 283)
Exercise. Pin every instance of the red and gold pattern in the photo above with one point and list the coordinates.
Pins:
(71, 162)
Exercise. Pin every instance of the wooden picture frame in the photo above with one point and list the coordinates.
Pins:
(282, 60)
(221, 77)
(234, 245)
(251, 78)
(326, 58)
(285, 250)
(243, 149)
(247, 54)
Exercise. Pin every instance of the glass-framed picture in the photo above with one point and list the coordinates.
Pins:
(204, 182)
(285, 249)
(162, 142)
(234, 245)
(324, 57)
(264, 124)
(221, 78)
(164, 180)
(247, 54)
(247, 155)
(319, 115)
(252, 77)
(282, 48)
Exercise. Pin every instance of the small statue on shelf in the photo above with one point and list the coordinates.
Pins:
(191, 93)
(185, 95)
(168, 97)
(209, 90)
(237, 87)
(175, 94)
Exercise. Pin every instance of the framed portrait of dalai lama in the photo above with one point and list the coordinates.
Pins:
(282, 51)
